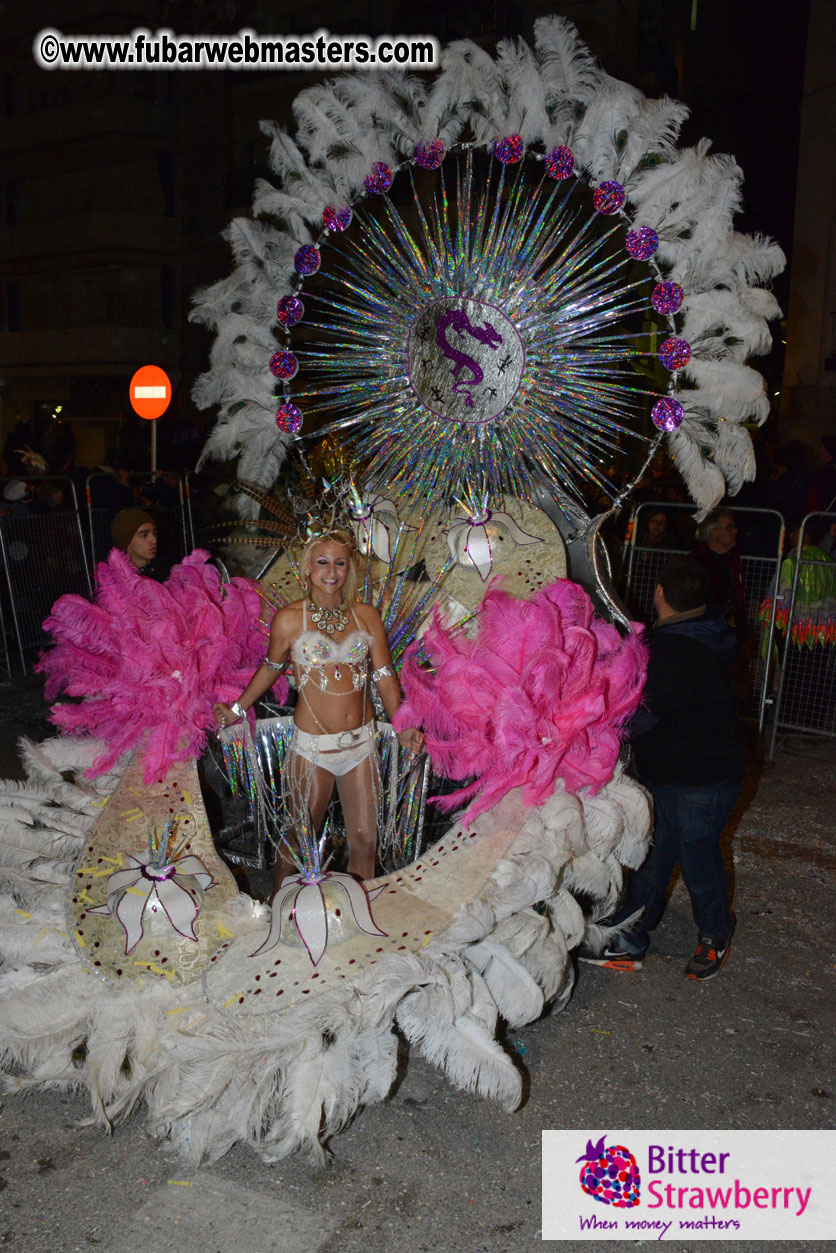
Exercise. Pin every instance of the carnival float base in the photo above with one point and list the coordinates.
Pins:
(272, 1050)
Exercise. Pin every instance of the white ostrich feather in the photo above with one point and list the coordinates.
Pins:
(702, 478)
(567, 916)
(326, 129)
(369, 101)
(471, 924)
(590, 875)
(524, 91)
(603, 822)
(392, 100)
(727, 389)
(609, 113)
(653, 130)
(734, 454)
(569, 72)
(760, 302)
(539, 946)
(724, 324)
(517, 995)
(462, 1045)
(598, 935)
(300, 216)
(677, 196)
(519, 879)
(443, 117)
(756, 259)
(481, 92)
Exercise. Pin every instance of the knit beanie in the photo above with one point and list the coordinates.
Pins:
(126, 524)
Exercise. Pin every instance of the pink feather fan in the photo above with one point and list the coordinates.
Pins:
(542, 693)
(151, 658)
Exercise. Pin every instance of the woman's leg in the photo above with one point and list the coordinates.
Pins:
(359, 792)
(307, 791)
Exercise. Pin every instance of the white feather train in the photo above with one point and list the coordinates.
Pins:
(284, 1081)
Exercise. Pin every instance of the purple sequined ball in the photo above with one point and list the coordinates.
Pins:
(283, 365)
(642, 244)
(290, 310)
(667, 414)
(674, 353)
(609, 197)
(307, 260)
(429, 156)
(509, 150)
(667, 297)
(380, 179)
(560, 163)
(334, 219)
(289, 418)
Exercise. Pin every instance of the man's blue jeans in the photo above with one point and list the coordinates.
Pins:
(689, 822)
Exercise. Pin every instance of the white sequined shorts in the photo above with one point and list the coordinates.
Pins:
(335, 753)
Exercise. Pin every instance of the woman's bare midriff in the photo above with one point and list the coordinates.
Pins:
(338, 708)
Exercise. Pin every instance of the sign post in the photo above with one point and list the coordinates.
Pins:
(150, 396)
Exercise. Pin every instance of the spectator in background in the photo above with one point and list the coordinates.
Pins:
(135, 533)
(52, 498)
(654, 532)
(822, 495)
(720, 558)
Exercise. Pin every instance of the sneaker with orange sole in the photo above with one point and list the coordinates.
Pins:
(708, 960)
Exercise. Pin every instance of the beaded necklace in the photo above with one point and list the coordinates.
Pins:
(328, 620)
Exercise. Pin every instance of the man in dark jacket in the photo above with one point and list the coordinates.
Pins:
(689, 753)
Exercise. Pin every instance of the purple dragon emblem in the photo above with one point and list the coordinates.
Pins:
(460, 322)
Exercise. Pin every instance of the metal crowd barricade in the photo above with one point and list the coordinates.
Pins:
(805, 637)
(43, 558)
(761, 528)
(202, 523)
(168, 511)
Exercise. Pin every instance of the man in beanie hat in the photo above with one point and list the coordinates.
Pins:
(135, 532)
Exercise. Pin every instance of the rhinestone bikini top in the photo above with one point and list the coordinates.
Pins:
(313, 650)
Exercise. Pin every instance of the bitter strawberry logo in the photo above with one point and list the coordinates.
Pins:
(610, 1175)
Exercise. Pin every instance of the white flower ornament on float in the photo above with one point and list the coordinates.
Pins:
(160, 888)
(376, 524)
(471, 539)
(308, 909)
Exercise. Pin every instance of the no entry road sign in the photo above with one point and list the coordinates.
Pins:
(150, 392)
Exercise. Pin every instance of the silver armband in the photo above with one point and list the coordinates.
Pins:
(385, 672)
(272, 665)
(238, 710)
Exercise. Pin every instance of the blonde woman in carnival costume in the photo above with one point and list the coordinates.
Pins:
(333, 641)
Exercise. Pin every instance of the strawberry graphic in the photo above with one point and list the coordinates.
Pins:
(609, 1174)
